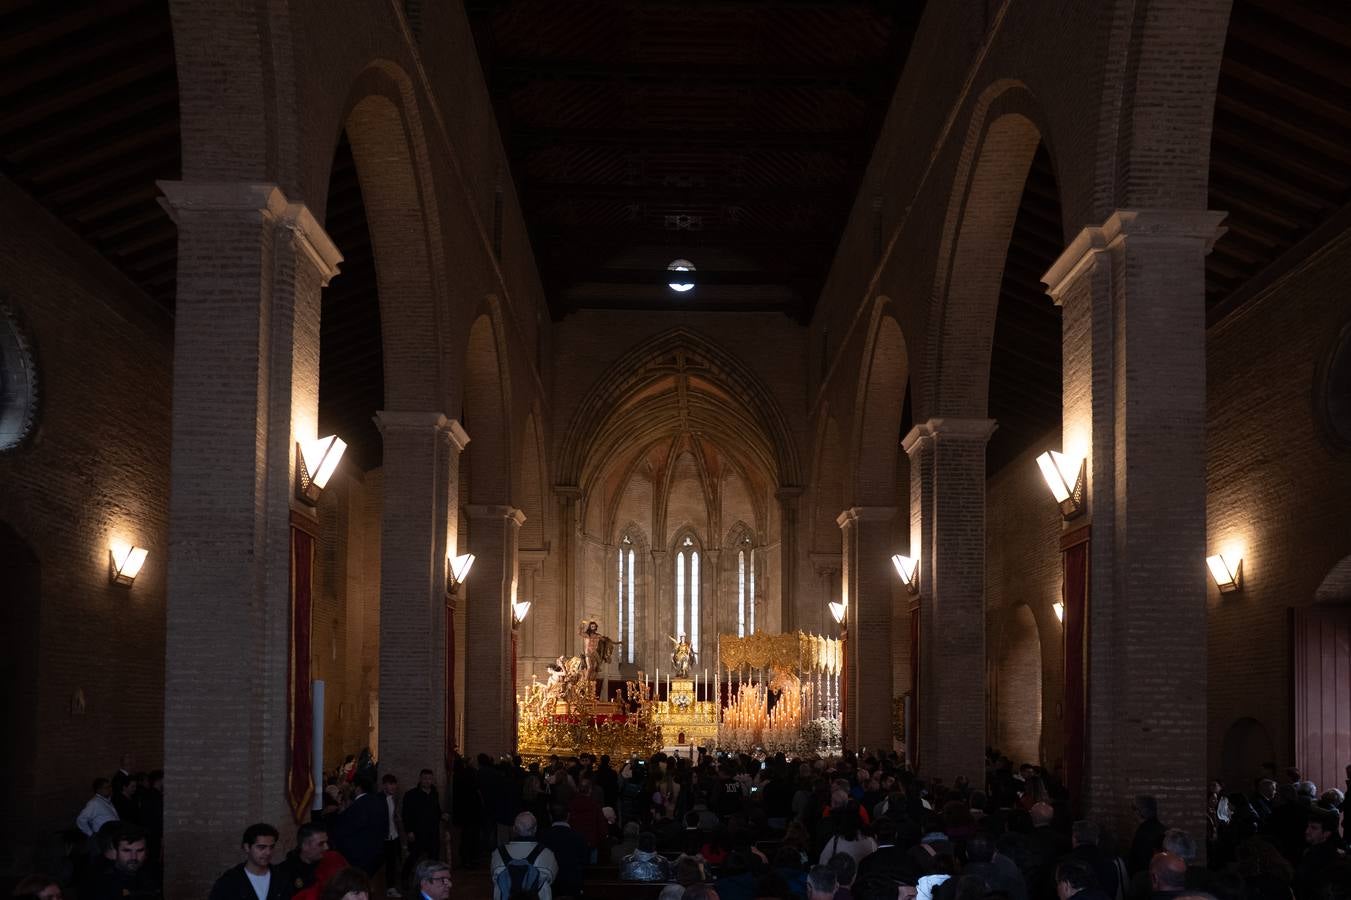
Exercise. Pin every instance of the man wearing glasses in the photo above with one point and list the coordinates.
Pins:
(433, 880)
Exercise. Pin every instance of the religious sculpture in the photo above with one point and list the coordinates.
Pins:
(596, 647)
(682, 657)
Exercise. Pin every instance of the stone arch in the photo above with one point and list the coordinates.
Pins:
(675, 547)
(1247, 744)
(741, 538)
(752, 412)
(829, 476)
(1336, 585)
(384, 127)
(1165, 95)
(632, 536)
(878, 405)
(1006, 127)
(530, 486)
(236, 134)
(485, 414)
(20, 627)
(1018, 686)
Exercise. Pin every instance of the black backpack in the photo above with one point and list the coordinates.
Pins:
(519, 879)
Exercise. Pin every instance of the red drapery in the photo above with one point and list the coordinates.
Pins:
(912, 726)
(1074, 594)
(300, 777)
(450, 684)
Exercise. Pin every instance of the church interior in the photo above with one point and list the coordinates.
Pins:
(1005, 343)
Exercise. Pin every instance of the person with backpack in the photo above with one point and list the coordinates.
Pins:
(522, 868)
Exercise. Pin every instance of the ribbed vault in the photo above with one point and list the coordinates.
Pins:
(679, 383)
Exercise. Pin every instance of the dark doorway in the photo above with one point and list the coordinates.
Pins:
(21, 576)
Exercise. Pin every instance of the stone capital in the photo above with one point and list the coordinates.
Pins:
(789, 494)
(567, 493)
(826, 563)
(856, 514)
(485, 512)
(265, 200)
(975, 430)
(402, 420)
(1147, 225)
(459, 438)
(532, 559)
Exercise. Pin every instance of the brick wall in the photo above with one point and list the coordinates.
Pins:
(1023, 637)
(1277, 491)
(96, 472)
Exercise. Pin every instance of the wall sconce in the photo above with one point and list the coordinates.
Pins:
(1059, 609)
(908, 569)
(457, 570)
(315, 462)
(1227, 572)
(837, 611)
(1065, 478)
(125, 562)
(519, 610)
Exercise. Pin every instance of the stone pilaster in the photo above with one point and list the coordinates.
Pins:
(866, 561)
(489, 694)
(1133, 295)
(418, 522)
(251, 267)
(947, 523)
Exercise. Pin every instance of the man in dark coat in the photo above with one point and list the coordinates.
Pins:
(422, 818)
(1319, 856)
(362, 827)
(255, 877)
(127, 878)
(569, 848)
(1148, 835)
(297, 870)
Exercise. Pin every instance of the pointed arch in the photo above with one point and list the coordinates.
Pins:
(745, 407)
(878, 406)
(631, 560)
(830, 474)
(485, 415)
(690, 609)
(389, 146)
(1006, 126)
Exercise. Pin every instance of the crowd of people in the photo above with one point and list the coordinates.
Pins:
(728, 827)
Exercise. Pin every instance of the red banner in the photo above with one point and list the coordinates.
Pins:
(1074, 593)
(300, 774)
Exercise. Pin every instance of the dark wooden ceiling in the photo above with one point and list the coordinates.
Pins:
(1025, 372)
(1280, 153)
(732, 133)
(729, 132)
(89, 123)
(352, 360)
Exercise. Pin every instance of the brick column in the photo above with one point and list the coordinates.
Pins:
(569, 562)
(947, 527)
(1134, 405)
(251, 266)
(421, 474)
(489, 696)
(866, 563)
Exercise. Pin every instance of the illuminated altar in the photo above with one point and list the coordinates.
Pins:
(772, 693)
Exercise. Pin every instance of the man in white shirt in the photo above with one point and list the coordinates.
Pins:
(254, 878)
(99, 810)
